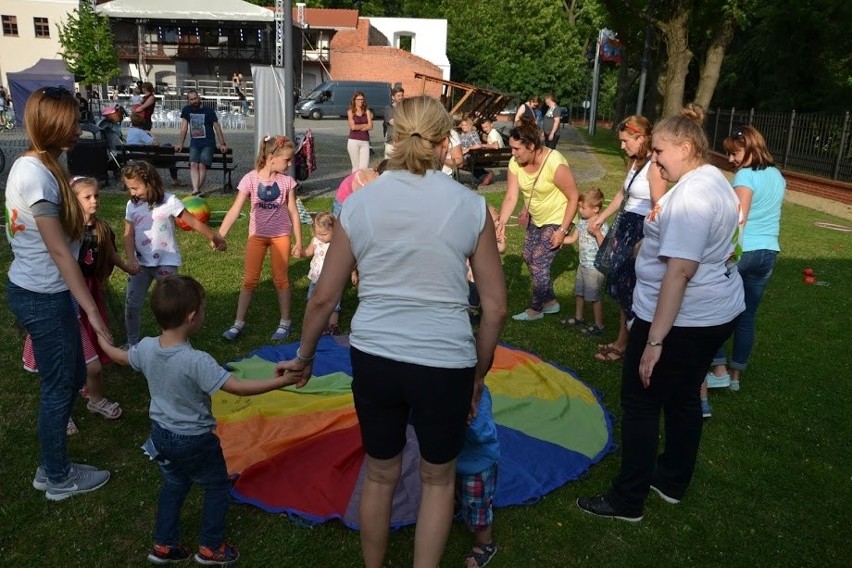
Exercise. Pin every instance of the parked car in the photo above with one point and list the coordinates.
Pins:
(332, 98)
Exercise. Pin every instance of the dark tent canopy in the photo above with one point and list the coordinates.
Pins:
(45, 73)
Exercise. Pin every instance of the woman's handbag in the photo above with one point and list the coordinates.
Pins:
(607, 251)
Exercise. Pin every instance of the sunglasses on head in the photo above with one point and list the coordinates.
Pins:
(516, 134)
(627, 126)
(56, 93)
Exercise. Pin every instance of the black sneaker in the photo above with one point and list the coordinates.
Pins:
(163, 554)
(600, 506)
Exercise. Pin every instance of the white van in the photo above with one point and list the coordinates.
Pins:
(332, 98)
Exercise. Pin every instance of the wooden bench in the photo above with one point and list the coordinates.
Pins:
(167, 157)
(486, 158)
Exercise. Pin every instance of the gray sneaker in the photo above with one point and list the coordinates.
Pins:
(40, 479)
(78, 481)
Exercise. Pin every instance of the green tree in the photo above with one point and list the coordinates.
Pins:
(88, 46)
(525, 47)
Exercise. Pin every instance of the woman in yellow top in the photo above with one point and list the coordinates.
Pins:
(550, 194)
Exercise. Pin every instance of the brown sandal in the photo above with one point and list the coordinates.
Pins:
(608, 354)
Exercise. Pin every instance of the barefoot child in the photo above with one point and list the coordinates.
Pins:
(97, 258)
(274, 225)
(476, 481)
(180, 381)
(323, 231)
(587, 285)
(151, 213)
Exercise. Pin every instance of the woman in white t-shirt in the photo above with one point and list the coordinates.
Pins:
(642, 187)
(688, 294)
(44, 227)
(414, 355)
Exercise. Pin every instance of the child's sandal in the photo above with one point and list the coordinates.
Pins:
(107, 409)
(572, 322)
(281, 332)
(481, 554)
(71, 428)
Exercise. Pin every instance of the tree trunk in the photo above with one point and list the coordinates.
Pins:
(712, 64)
(676, 34)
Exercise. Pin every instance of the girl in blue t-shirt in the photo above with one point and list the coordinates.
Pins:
(760, 188)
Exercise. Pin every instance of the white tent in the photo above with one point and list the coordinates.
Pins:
(201, 10)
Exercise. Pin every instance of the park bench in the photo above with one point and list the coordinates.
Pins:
(167, 157)
(486, 158)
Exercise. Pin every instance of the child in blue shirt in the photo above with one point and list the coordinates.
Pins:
(180, 381)
(476, 481)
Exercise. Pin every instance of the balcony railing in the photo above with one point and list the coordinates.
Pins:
(168, 52)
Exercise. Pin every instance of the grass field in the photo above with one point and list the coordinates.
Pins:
(772, 487)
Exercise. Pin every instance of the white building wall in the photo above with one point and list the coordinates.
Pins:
(429, 38)
(21, 52)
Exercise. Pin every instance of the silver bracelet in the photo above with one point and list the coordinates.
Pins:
(305, 359)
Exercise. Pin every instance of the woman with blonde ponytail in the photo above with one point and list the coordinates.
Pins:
(44, 226)
(413, 352)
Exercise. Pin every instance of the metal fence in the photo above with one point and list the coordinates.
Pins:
(815, 144)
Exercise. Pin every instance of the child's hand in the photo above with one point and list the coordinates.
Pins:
(294, 372)
(218, 242)
(132, 268)
(297, 251)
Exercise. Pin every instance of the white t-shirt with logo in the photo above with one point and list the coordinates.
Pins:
(696, 220)
(154, 231)
(32, 268)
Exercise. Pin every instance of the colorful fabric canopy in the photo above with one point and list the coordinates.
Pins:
(299, 451)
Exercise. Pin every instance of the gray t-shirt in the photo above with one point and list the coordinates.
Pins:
(388, 116)
(549, 115)
(180, 381)
(411, 236)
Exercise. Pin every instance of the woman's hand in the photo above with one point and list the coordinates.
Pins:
(596, 222)
(557, 239)
(649, 360)
(297, 251)
(524, 217)
(132, 267)
(296, 367)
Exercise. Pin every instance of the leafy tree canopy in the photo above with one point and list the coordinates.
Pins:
(88, 46)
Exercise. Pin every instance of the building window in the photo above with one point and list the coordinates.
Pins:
(10, 25)
(405, 41)
(42, 28)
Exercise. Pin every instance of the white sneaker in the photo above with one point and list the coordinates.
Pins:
(78, 481)
(714, 382)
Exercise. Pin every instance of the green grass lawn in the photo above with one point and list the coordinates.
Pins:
(771, 488)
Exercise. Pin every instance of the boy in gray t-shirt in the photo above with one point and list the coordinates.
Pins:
(180, 381)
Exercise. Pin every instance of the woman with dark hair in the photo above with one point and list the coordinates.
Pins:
(760, 188)
(146, 107)
(550, 195)
(688, 294)
(360, 125)
(414, 356)
(642, 187)
(46, 225)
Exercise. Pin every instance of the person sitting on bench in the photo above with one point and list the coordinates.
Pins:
(138, 136)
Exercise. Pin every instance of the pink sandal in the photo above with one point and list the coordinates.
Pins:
(107, 409)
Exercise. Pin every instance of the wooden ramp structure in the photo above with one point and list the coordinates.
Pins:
(462, 98)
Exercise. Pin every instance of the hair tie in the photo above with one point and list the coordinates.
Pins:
(267, 138)
(416, 135)
(280, 141)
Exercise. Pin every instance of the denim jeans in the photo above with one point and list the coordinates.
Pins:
(755, 267)
(51, 321)
(674, 387)
(185, 460)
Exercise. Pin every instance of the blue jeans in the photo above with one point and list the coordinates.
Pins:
(51, 321)
(191, 459)
(755, 267)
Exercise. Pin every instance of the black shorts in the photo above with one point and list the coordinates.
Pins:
(388, 392)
